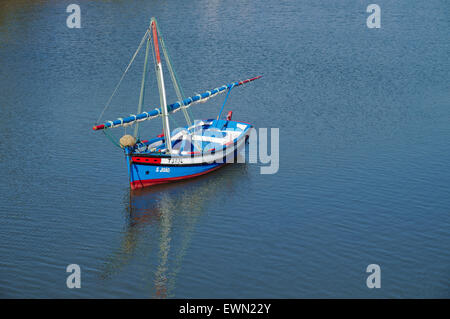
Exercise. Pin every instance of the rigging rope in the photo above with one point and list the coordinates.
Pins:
(111, 138)
(123, 75)
(225, 101)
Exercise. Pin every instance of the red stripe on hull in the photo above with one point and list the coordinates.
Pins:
(150, 182)
(153, 160)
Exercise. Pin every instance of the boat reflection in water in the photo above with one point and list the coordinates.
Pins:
(160, 223)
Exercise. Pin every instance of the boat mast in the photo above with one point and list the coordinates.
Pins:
(141, 95)
(162, 90)
(173, 76)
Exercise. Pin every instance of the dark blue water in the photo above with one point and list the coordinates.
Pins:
(364, 172)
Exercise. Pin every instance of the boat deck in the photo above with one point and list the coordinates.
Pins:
(203, 137)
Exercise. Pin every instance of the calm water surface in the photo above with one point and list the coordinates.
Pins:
(364, 172)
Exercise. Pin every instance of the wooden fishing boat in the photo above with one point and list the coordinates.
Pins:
(200, 147)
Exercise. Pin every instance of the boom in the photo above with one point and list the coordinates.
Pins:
(172, 108)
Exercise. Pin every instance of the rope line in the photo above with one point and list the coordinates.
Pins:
(123, 76)
(111, 138)
(225, 101)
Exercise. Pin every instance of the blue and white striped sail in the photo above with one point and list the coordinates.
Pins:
(172, 108)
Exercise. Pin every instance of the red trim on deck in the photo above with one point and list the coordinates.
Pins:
(150, 182)
(245, 123)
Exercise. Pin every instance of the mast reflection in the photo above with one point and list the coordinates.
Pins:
(161, 221)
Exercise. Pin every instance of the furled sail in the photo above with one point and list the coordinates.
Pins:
(172, 108)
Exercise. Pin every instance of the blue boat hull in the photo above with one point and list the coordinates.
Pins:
(142, 175)
(147, 168)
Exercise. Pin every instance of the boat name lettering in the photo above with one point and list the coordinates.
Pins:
(175, 161)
